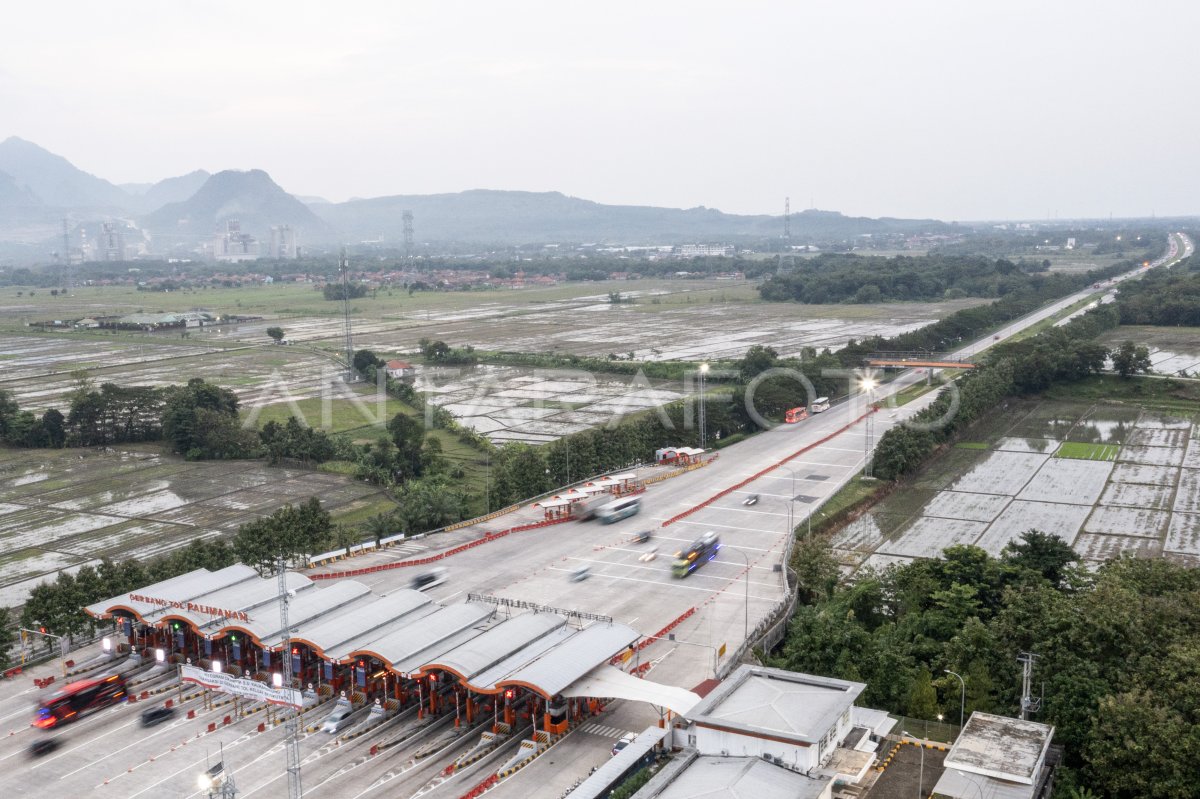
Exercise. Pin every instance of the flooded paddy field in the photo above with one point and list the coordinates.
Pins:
(668, 320)
(1107, 479)
(39, 370)
(61, 509)
(1173, 350)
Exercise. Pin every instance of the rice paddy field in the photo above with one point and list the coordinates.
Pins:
(669, 320)
(1108, 479)
(61, 509)
(1173, 350)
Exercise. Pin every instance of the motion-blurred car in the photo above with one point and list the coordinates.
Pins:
(156, 715)
(751, 500)
(336, 720)
(648, 556)
(643, 536)
(429, 579)
(43, 746)
(582, 573)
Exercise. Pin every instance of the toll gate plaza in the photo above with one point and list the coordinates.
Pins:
(515, 676)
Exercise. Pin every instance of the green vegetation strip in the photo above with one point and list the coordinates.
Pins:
(1087, 452)
(972, 445)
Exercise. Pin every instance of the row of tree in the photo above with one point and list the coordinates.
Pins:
(1164, 296)
(1119, 651)
(1060, 354)
(293, 532)
(832, 278)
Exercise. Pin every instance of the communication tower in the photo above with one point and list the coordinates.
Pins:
(407, 216)
(787, 217)
(344, 269)
(291, 728)
(1029, 702)
(66, 256)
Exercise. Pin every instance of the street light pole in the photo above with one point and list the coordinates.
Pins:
(746, 559)
(962, 703)
(792, 500)
(700, 408)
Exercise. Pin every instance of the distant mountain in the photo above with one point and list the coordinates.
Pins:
(56, 181)
(514, 217)
(14, 195)
(251, 197)
(174, 190)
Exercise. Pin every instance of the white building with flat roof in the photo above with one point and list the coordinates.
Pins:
(796, 718)
(999, 757)
(766, 733)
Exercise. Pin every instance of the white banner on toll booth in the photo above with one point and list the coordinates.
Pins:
(242, 686)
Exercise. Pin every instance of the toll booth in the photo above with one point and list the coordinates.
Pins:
(678, 456)
(558, 507)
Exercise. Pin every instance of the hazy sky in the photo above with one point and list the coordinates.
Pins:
(956, 110)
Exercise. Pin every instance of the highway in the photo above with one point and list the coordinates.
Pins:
(111, 755)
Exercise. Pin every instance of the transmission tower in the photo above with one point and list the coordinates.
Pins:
(407, 216)
(344, 269)
(66, 257)
(1029, 702)
(787, 218)
(291, 728)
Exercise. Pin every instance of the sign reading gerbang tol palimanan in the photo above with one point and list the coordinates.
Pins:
(192, 607)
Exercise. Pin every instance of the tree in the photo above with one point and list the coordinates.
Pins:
(1130, 359)
(429, 504)
(55, 427)
(408, 436)
(179, 416)
(276, 334)
(922, 698)
(290, 532)
(756, 360)
(381, 525)
(6, 636)
(8, 413)
(1045, 554)
(816, 569)
(365, 358)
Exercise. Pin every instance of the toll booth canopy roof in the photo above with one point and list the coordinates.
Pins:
(405, 630)
(361, 622)
(183, 588)
(407, 648)
(257, 598)
(565, 663)
(507, 639)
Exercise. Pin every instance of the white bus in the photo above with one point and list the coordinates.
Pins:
(618, 509)
(819, 404)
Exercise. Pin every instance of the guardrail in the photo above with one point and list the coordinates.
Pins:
(486, 539)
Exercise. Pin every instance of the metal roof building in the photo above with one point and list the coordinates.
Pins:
(695, 776)
(405, 631)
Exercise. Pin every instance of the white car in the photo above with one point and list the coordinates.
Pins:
(624, 741)
(337, 720)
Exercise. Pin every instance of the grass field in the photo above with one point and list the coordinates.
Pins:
(332, 415)
(1087, 452)
(1176, 396)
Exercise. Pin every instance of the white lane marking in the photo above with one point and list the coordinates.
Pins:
(675, 584)
(191, 766)
(734, 527)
